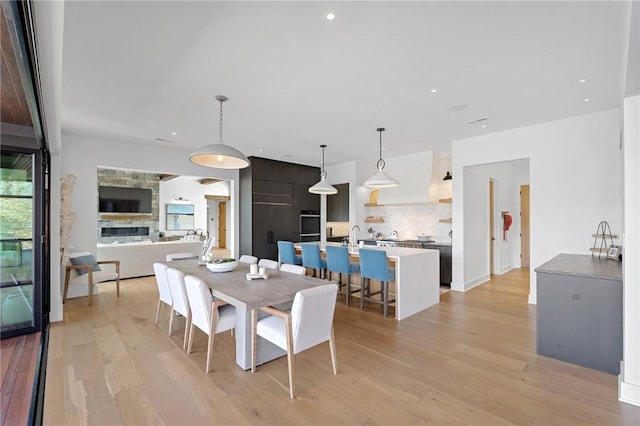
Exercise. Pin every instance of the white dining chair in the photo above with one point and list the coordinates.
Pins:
(160, 270)
(209, 315)
(249, 260)
(309, 323)
(294, 269)
(180, 301)
(268, 263)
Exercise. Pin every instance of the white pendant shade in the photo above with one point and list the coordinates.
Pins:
(323, 187)
(381, 180)
(220, 156)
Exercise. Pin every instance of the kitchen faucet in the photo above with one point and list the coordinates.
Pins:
(354, 240)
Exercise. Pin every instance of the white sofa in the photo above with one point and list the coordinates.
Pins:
(137, 258)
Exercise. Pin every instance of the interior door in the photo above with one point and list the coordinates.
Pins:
(524, 227)
(222, 224)
(491, 227)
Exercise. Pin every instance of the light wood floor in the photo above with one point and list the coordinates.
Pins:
(469, 360)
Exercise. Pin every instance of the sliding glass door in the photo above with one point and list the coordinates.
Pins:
(21, 231)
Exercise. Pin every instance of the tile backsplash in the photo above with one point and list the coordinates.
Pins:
(410, 220)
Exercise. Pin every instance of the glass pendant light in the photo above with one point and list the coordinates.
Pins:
(219, 155)
(323, 187)
(380, 179)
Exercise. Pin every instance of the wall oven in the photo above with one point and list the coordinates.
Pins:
(309, 225)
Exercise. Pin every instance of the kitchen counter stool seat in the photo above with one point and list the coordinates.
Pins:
(374, 265)
(311, 258)
(287, 253)
(338, 261)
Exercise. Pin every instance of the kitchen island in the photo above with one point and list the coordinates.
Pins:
(417, 276)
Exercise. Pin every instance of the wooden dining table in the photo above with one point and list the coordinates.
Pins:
(246, 295)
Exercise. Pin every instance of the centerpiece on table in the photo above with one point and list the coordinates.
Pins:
(222, 264)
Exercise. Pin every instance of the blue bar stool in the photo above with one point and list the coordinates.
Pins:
(287, 254)
(373, 265)
(338, 261)
(311, 258)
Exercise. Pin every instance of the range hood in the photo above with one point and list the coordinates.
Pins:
(418, 179)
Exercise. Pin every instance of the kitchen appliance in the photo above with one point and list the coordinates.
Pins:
(309, 225)
(405, 243)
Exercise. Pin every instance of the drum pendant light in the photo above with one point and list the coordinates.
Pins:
(323, 186)
(219, 155)
(380, 179)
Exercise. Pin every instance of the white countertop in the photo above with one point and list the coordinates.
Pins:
(392, 252)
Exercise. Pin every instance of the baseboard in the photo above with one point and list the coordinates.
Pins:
(476, 282)
(627, 392)
(506, 269)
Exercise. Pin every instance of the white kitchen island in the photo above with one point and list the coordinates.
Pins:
(417, 276)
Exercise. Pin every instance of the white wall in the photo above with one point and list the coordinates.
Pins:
(575, 176)
(83, 154)
(630, 371)
(189, 189)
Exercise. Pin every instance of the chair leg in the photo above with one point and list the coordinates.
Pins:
(363, 285)
(190, 338)
(172, 315)
(385, 297)
(66, 286)
(187, 325)
(118, 286)
(254, 338)
(210, 351)
(212, 334)
(348, 288)
(290, 356)
(332, 348)
(158, 311)
(90, 280)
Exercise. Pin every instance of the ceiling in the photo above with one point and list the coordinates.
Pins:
(139, 71)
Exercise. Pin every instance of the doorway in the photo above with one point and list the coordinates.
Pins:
(524, 227)
(492, 238)
(222, 224)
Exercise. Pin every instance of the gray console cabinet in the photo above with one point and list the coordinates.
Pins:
(579, 311)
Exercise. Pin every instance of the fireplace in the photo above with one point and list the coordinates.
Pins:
(126, 231)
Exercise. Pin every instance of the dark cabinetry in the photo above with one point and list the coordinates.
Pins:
(445, 262)
(338, 204)
(272, 195)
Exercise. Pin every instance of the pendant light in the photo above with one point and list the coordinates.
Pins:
(323, 187)
(380, 179)
(219, 155)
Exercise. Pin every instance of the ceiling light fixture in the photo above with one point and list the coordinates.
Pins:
(331, 16)
(584, 80)
(587, 100)
(219, 155)
(323, 187)
(434, 90)
(380, 179)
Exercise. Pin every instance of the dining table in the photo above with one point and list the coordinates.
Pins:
(245, 294)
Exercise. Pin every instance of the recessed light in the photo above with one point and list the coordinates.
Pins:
(173, 133)
(260, 150)
(434, 90)
(587, 100)
(331, 16)
(584, 80)
(483, 126)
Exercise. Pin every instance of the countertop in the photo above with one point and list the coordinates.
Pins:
(392, 252)
(435, 243)
(583, 265)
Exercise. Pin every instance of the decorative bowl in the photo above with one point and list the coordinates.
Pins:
(423, 237)
(222, 267)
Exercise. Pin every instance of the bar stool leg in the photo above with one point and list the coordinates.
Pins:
(385, 297)
(348, 288)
